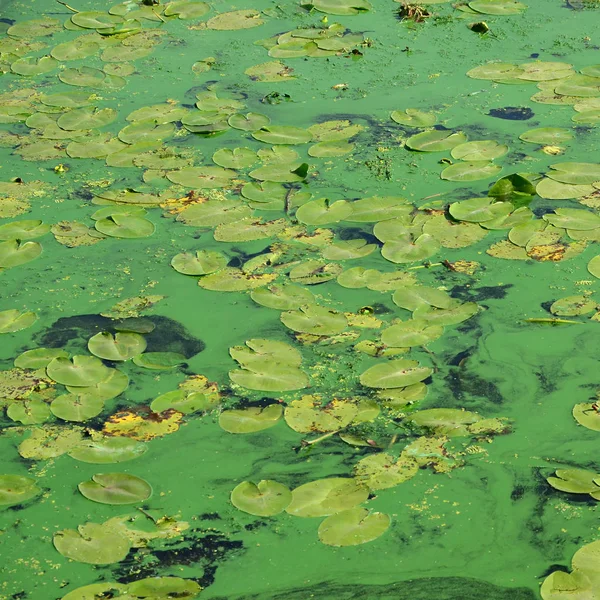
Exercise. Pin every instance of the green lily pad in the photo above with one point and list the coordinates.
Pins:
(118, 347)
(202, 262)
(325, 497)
(381, 471)
(411, 297)
(497, 7)
(281, 172)
(379, 208)
(405, 249)
(411, 333)
(75, 49)
(470, 171)
(18, 489)
(546, 135)
(478, 210)
(394, 374)
(339, 7)
(593, 266)
(283, 297)
(314, 319)
(353, 527)
(555, 190)
(108, 450)
(348, 250)
(76, 407)
(34, 66)
(35, 28)
(182, 401)
(275, 378)
(435, 141)
(79, 371)
(573, 306)
(93, 544)
(145, 131)
(250, 420)
(330, 149)
(116, 488)
(413, 117)
(29, 412)
(238, 158)
(159, 360)
(14, 320)
(573, 218)
(575, 173)
(163, 588)
(312, 272)
(112, 385)
(186, 10)
(310, 415)
(282, 134)
(235, 19)
(446, 316)
(95, 19)
(585, 414)
(248, 122)
(323, 211)
(23, 230)
(14, 253)
(265, 499)
(87, 117)
(202, 177)
(39, 358)
(575, 481)
(336, 130)
(125, 226)
(49, 442)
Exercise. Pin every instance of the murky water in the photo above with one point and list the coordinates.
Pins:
(472, 515)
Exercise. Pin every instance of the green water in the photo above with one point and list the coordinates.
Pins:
(489, 529)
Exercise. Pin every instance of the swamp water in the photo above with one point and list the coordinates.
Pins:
(340, 258)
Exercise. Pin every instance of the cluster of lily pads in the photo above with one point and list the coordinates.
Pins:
(558, 82)
(582, 582)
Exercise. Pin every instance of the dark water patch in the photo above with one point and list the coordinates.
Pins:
(168, 335)
(467, 293)
(547, 383)
(512, 113)
(517, 493)
(459, 358)
(466, 385)
(540, 211)
(198, 551)
(546, 305)
(447, 588)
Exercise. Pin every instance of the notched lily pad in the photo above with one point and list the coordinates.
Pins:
(116, 488)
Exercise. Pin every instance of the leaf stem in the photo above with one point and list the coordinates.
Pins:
(67, 6)
(320, 438)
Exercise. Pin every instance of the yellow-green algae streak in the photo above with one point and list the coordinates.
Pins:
(478, 520)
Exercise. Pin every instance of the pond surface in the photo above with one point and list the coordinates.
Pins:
(339, 259)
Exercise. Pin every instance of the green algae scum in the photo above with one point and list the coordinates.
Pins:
(299, 300)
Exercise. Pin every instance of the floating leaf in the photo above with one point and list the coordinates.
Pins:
(93, 544)
(159, 360)
(119, 347)
(573, 306)
(14, 253)
(470, 171)
(340, 7)
(411, 333)
(315, 319)
(236, 19)
(250, 420)
(413, 117)
(394, 373)
(353, 527)
(435, 141)
(79, 371)
(265, 499)
(407, 250)
(575, 481)
(23, 230)
(29, 412)
(594, 266)
(238, 158)
(381, 471)
(309, 414)
(573, 218)
(125, 226)
(183, 401)
(554, 190)
(186, 10)
(546, 135)
(116, 488)
(478, 210)
(248, 122)
(76, 407)
(202, 262)
(282, 134)
(14, 320)
(283, 297)
(326, 497)
(202, 177)
(108, 450)
(18, 489)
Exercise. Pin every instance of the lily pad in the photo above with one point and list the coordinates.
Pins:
(435, 141)
(93, 544)
(314, 319)
(282, 134)
(413, 117)
(238, 158)
(546, 135)
(340, 7)
(79, 371)
(14, 320)
(202, 262)
(23, 230)
(394, 374)
(326, 497)
(159, 360)
(236, 19)
(353, 527)
(573, 306)
(323, 211)
(108, 450)
(183, 401)
(470, 171)
(116, 488)
(250, 420)
(381, 471)
(575, 481)
(265, 499)
(283, 297)
(118, 347)
(18, 489)
(310, 415)
(76, 407)
(478, 210)
(411, 333)
(248, 122)
(14, 253)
